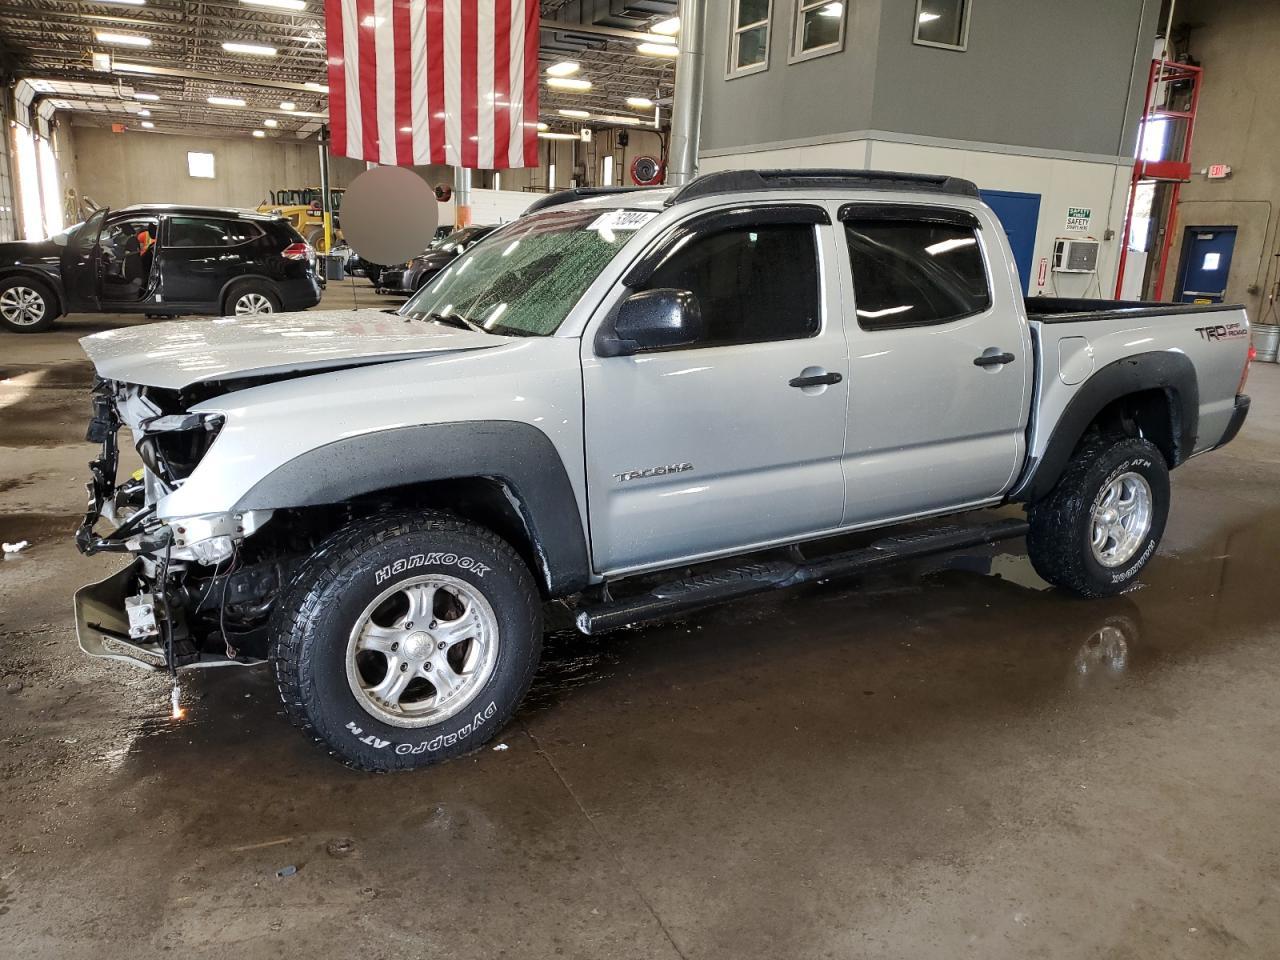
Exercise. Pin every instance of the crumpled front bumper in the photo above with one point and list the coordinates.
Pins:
(102, 625)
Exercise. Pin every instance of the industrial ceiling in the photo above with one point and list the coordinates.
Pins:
(167, 81)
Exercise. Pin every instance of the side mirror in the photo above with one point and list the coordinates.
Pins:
(652, 319)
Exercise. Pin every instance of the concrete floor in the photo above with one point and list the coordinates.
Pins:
(947, 760)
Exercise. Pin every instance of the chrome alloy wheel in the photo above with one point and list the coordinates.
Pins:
(251, 304)
(422, 650)
(1121, 519)
(22, 306)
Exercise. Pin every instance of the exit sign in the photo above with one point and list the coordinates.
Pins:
(1219, 171)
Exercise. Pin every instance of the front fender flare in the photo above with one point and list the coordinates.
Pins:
(519, 456)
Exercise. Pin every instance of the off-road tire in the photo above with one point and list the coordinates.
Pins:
(1061, 524)
(47, 297)
(246, 288)
(317, 612)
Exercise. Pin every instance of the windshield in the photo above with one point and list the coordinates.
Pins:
(61, 238)
(524, 280)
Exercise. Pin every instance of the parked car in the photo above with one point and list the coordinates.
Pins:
(163, 260)
(640, 403)
(443, 251)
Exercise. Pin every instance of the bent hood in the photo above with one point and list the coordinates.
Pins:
(179, 353)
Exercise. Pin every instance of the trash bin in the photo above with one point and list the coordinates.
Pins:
(1266, 340)
(334, 267)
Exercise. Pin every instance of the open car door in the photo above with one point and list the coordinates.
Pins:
(82, 265)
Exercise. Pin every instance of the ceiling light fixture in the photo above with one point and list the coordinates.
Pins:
(657, 49)
(131, 3)
(123, 39)
(667, 28)
(568, 83)
(144, 112)
(271, 122)
(640, 103)
(616, 118)
(318, 87)
(259, 133)
(148, 124)
(288, 105)
(146, 96)
(277, 4)
(579, 114)
(564, 68)
(225, 101)
(250, 49)
(542, 126)
(545, 135)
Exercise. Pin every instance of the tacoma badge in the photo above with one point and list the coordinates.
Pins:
(661, 471)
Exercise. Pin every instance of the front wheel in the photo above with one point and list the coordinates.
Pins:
(407, 639)
(26, 306)
(1104, 519)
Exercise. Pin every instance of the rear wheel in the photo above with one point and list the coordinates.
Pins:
(249, 299)
(407, 639)
(26, 305)
(1104, 519)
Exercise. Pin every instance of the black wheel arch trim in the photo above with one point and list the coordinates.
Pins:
(519, 456)
(1169, 371)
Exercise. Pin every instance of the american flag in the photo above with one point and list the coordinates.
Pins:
(434, 81)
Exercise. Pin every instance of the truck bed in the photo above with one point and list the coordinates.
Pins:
(1073, 310)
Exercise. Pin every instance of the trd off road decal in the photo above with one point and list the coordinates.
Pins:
(423, 559)
(427, 746)
(1221, 331)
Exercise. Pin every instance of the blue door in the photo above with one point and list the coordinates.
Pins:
(1019, 213)
(1206, 262)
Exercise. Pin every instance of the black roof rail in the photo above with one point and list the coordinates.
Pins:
(575, 193)
(742, 181)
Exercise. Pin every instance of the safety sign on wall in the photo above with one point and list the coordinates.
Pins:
(1079, 218)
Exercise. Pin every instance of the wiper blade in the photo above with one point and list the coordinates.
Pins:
(454, 320)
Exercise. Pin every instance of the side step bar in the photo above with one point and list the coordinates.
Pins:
(706, 589)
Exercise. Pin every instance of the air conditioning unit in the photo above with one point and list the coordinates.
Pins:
(1075, 256)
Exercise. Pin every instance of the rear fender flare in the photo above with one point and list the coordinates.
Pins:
(1169, 371)
(521, 457)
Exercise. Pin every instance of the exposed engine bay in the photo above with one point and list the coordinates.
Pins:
(198, 592)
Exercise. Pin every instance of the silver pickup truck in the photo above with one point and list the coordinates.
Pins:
(635, 402)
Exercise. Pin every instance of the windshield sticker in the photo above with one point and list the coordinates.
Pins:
(622, 220)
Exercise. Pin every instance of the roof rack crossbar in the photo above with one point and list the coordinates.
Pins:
(743, 181)
(575, 193)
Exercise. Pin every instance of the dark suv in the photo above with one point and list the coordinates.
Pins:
(161, 260)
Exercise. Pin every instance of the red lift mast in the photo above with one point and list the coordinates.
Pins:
(1175, 171)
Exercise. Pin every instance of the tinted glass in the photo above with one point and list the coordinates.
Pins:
(820, 26)
(941, 21)
(752, 11)
(753, 284)
(207, 232)
(910, 274)
(751, 46)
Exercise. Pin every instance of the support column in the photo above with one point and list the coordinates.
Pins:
(326, 199)
(461, 197)
(686, 108)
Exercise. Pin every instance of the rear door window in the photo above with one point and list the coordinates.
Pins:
(909, 273)
(210, 232)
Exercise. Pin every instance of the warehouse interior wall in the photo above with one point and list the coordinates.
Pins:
(1238, 124)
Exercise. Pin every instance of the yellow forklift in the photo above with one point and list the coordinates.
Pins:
(303, 208)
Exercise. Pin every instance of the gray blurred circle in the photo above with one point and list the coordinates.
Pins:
(389, 214)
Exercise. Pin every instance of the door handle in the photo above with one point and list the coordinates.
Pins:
(819, 380)
(993, 359)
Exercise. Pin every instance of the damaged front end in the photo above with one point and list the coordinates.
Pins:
(193, 596)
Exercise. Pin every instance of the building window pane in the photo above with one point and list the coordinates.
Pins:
(748, 36)
(942, 23)
(915, 274)
(819, 28)
(200, 165)
(753, 284)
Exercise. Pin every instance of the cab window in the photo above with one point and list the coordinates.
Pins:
(754, 284)
(210, 232)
